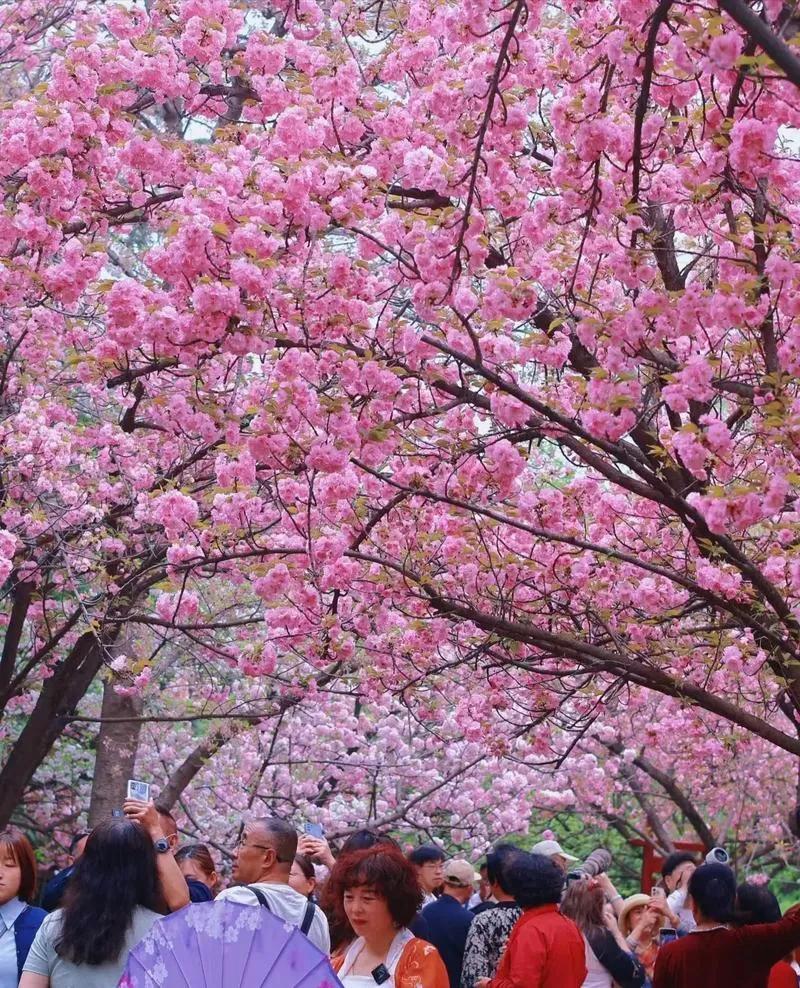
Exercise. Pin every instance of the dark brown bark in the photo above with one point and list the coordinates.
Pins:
(675, 793)
(58, 698)
(19, 609)
(758, 29)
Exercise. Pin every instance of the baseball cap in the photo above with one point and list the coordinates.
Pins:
(460, 873)
(550, 847)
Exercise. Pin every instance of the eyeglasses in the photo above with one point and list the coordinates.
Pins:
(241, 844)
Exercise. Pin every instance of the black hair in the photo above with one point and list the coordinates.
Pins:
(498, 861)
(534, 880)
(675, 860)
(756, 904)
(360, 840)
(115, 874)
(425, 854)
(713, 888)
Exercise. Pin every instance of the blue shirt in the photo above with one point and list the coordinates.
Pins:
(448, 924)
(9, 914)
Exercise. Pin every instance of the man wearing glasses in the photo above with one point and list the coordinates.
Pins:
(262, 861)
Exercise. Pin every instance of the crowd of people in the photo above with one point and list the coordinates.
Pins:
(538, 919)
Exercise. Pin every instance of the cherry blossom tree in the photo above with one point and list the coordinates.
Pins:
(458, 341)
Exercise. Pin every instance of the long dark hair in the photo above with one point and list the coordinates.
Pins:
(115, 874)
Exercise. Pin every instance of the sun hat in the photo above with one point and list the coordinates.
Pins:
(623, 920)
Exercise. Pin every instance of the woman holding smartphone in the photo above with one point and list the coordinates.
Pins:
(641, 922)
(113, 899)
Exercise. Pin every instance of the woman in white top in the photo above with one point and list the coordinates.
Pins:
(110, 905)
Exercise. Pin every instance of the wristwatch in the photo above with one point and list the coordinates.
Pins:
(161, 845)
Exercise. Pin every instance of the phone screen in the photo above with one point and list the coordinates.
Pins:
(139, 790)
(667, 935)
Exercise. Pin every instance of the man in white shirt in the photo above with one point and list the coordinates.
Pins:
(261, 864)
(676, 871)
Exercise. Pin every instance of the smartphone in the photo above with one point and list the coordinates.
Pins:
(667, 935)
(139, 790)
(313, 830)
(656, 892)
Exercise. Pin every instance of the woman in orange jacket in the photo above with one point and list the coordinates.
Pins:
(378, 892)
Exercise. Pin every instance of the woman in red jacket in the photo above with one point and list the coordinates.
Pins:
(545, 949)
(715, 955)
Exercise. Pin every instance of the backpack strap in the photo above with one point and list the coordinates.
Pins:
(308, 917)
(262, 899)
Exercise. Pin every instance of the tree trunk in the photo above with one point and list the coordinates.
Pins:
(117, 745)
(59, 696)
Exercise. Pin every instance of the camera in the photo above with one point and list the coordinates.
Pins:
(595, 864)
(718, 855)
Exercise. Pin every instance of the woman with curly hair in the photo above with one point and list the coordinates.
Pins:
(377, 891)
(545, 949)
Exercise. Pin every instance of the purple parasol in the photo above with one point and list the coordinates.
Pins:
(216, 944)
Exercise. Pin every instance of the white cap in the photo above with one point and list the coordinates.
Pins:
(549, 848)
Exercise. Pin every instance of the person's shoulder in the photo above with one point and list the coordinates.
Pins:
(419, 949)
(675, 949)
(50, 924)
(33, 916)
(143, 920)
(241, 893)
(52, 919)
(482, 908)
(484, 918)
(144, 914)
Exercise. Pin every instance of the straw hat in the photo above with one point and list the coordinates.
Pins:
(623, 920)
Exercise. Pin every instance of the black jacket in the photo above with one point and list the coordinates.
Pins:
(448, 924)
